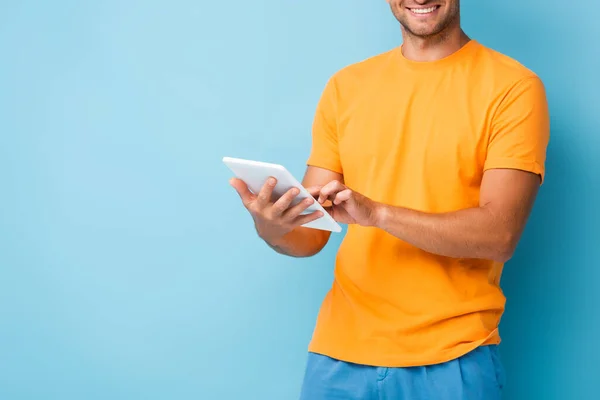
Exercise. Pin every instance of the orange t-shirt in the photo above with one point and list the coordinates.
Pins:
(420, 135)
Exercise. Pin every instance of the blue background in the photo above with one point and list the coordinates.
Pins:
(128, 268)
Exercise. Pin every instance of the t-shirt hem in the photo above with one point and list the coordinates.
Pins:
(512, 163)
(325, 165)
(401, 361)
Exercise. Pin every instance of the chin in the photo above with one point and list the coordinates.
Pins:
(423, 32)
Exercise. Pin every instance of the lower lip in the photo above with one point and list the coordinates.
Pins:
(429, 14)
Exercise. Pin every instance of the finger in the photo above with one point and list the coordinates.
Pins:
(314, 190)
(342, 196)
(305, 219)
(264, 196)
(242, 190)
(330, 190)
(295, 211)
(284, 201)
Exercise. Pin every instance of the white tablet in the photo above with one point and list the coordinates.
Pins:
(255, 175)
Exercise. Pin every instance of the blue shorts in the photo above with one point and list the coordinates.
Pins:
(478, 375)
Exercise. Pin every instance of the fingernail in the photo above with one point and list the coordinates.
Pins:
(271, 181)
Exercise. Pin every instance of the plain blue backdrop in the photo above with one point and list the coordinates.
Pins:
(128, 268)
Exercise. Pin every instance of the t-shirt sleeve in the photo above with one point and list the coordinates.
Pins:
(521, 129)
(324, 151)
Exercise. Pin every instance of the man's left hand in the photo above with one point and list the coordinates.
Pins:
(347, 206)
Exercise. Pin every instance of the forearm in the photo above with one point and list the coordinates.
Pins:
(301, 242)
(469, 233)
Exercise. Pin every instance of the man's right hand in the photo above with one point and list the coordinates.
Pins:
(274, 219)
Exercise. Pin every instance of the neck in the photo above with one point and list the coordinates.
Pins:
(435, 47)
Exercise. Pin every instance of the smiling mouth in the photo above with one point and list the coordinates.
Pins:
(423, 11)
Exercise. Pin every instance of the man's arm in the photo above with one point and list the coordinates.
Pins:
(490, 231)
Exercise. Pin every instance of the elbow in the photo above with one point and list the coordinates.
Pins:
(504, 248)
(502, 257)
(311, 252)
(318, 243)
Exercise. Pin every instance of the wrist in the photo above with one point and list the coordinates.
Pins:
(379, 215)
(276, 240)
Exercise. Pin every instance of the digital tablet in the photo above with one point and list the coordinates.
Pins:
(255, 175)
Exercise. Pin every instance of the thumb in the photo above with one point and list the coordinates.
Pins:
(242, 190)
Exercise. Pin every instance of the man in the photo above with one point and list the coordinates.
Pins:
(433, 154)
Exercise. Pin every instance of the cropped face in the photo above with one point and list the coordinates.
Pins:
(425, 18)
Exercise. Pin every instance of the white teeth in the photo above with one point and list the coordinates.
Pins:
(423, 10)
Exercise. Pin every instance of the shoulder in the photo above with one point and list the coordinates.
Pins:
(363, 70)
(506, 82)
(504, 69)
